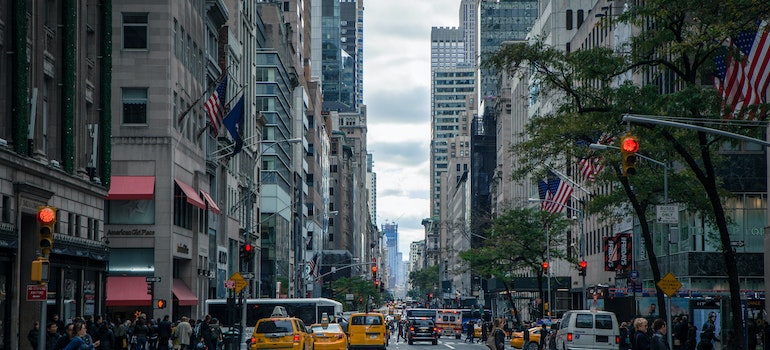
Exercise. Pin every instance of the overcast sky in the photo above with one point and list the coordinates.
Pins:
(397, 96)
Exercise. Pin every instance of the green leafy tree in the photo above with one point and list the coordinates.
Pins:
(423, 281)
(674, 51)
(363, 292)
(518, 242)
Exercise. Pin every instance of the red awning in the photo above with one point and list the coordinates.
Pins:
(212, 205)
(192, 196)
(127, 291)
(131, 188)
(183, 293)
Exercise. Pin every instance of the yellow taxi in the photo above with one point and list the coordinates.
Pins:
(367, 331)
(329, 336)
(517, 339)
(281, 332)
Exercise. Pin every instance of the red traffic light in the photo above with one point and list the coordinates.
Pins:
(161, 304)
(545, 264)
(583, 264)
(377, 282)
(374, 269)
(248, 248)
(46, 215)
(629, 144)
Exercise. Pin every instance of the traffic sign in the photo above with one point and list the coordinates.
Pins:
(240, 282)
(634, 275)
(230, 284)
(152, 279)
(669, 284)
(667, 214)
(37, 292)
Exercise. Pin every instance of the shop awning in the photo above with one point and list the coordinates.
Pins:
(192, 196)
(131, 188)
(127, 291)
(183, 293)
(212, 205)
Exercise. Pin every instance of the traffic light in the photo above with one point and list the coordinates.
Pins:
(46, 218)
(247, 251)
(377, 284)
(545, 267)
(40, 268)
(629, 145)
(583, 265)
(150, 288)
(374, 273)
(160, 304)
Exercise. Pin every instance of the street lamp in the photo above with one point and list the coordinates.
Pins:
(598, 146)
(581, 219)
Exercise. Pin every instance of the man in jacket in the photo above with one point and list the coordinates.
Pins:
(164, 333)
(658, 341)
(183, 332)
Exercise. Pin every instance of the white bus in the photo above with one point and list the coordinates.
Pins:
(307, 309)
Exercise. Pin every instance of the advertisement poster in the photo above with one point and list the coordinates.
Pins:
(705, 313)
(618, 254)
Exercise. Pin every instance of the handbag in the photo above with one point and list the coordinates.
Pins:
(201, 345)
(491, 342)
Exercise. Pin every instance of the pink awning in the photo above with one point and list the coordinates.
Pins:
(212, 205)
(191, 194)
(183, 293)
(131, 188)
(127, 291)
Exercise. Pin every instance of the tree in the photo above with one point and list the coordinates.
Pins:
(675, 50)
(424, 280)
(363, 290)
(517, 244)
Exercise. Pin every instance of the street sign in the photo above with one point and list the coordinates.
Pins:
(634, 275)
(240, 282)
(669, 284)
(229, 284)
(37, 292)
(667, 214)
(738, 243)
(152, 279)
(248, 275)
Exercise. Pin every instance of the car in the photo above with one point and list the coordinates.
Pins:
(421, 329)
(367, 330)
(281, 332)
(588, 329)
(517, 339)
(329, 336)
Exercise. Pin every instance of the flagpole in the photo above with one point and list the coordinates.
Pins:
(211, 86)
(565, 177)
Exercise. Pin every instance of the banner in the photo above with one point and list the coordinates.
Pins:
(618, 255)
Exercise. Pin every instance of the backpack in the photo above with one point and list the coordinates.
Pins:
(121, 331)
(215, 333)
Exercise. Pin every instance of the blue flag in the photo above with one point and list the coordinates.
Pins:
(233, 122)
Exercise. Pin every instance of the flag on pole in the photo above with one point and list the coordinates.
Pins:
(591, 166)
(214, 107)
(741, 75)
(313, 267)
(233, 123)
(542, 191)
(559, 193)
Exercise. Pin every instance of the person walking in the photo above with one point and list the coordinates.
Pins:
(471, 331)
(164, 333)
(215, 334)
(51, 335)
(400, 331)
(64, 340)
(81, 341)
(34, 335)
(184, 333)
(141, 333)
(658, 341)
(499, 335)
(692, 334)
(641, 340)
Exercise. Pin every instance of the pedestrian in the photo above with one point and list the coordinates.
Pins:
(400, 331)
(692, 334)
(103, 333)
(499, 335)
(140, 335)
(59, 324)
(64, 340)
(625, 341)
(121, 334)
(164, 333)
(658, 341)
(184, 332)
(34, 334)
(471, 330)
(215, 334)
(81, 340)
(641, 340)
(51, 335)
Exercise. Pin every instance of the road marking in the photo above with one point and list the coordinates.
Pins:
(447, 345)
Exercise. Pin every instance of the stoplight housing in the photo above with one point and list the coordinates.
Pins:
(160, 304)
(150, 288)
(582, 267)
(247, 251)
(40, 268)
(46, 218)
(374, 273)
(545, 266)
(629, 145)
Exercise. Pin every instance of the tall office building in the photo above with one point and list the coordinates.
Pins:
(352, 43)
(390, 231)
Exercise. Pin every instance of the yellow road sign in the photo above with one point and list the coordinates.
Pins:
(669, 284)
(240, 282)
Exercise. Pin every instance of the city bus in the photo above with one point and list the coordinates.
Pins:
(309, 310)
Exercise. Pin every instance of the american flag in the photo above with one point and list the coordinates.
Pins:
(214, 107)
(741, 75)
(591, 166)
(542, 191)
(313, 267)
(560, 193)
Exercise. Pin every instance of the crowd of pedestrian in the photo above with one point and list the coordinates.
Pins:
(141, 333)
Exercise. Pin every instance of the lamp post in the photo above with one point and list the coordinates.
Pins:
(581, 219)
(597, 146)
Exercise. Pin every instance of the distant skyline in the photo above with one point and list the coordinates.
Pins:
(397, 96)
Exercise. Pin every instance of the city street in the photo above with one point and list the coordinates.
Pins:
(443, 343)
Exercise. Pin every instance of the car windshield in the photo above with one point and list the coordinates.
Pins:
(423, 323)
(366, 320)
(274, 326)
(331, 328)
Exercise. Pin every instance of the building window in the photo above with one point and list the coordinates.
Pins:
(135, 31)
(569, 20)
(134, 105)
(579, 18)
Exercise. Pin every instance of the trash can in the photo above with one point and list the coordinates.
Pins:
(232, 339)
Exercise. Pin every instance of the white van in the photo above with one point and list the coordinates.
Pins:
(587, 329)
